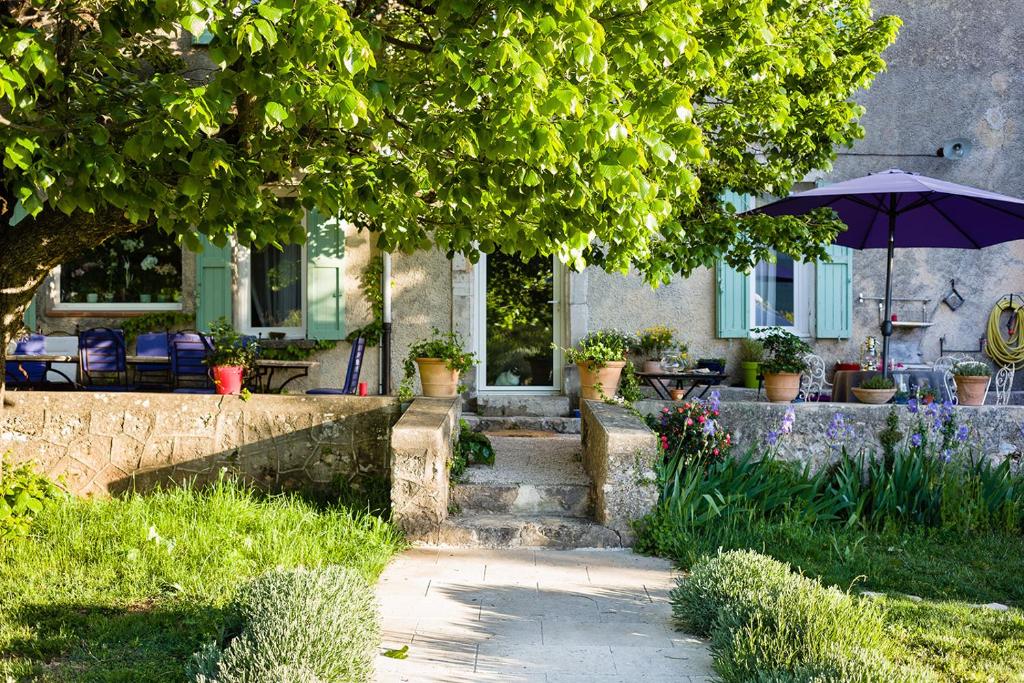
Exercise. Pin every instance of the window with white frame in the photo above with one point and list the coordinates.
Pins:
(272, 290)
(136, 272)
(781, 294)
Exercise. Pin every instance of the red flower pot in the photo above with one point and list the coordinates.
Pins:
(228, 378)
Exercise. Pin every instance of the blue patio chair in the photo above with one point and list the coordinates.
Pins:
(101, 356)
(355, 367)
(153, 344)
(26, 373)
(188, 363)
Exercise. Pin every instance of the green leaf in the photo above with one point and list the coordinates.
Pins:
(275, 113)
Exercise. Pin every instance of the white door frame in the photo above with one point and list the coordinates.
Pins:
(480, 333)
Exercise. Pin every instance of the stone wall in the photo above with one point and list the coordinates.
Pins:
(103, 443)
(994, 430)
(421, 448)
(619, 453)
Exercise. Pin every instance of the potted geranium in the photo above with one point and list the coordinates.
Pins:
(441, 360)
(230, 357)
(972, 378)
(600, 357)
(782, 364)
(653, 343)
(751, 355)
(875, 390)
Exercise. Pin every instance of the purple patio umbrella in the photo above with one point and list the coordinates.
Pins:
(897, 209)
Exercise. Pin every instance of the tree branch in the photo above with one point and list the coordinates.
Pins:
(418, 47)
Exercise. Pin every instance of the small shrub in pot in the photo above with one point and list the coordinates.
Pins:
(231, 357)
(441, 360)
(783, 362)
(654, 343)
(600, 358)
(972, 379)
(751, 356)
(875, 390)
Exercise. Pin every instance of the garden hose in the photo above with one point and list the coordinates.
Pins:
(1008, 349)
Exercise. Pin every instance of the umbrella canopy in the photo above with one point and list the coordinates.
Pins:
(899, 209)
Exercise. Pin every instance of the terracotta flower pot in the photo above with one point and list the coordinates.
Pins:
(652, 366)
(437, 379)
(677, 394)
(599, 383)
(781, 387)
(875, 397)
(227, 379)
(971, 390)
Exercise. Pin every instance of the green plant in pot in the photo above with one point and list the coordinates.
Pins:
(751, 355)
(441, 360)
(876, 390)
(972, 379)
(784, 360)
(600, 357)
(654, 343)
(230, 358)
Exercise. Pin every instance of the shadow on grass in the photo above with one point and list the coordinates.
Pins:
(146, 641)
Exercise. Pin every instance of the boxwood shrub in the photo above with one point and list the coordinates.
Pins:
(299, 626)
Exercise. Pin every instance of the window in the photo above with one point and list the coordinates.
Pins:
(780, 295)
(140, 271)
(272, 289)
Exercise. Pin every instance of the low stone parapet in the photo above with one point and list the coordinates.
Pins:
(421, 448)
(102, 443)
(619, 453)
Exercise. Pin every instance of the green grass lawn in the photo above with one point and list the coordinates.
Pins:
(127, 590)
(948, 570)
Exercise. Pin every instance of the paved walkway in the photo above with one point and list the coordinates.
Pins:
(595, 616)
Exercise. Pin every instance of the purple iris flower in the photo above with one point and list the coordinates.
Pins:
(787, 421)
(710, 428)
(773, 437)
(912, 407)
(915, 440)
(961, 433)
(946, 456)
(716, 400)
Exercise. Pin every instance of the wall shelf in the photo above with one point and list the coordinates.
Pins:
(910, 313)
(911, 323)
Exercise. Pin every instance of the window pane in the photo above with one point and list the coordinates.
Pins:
(774, 295)
(142, 268)
(276, 286)
(520, 321)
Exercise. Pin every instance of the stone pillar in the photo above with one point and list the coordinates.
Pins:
(619, 453)
(421, 448)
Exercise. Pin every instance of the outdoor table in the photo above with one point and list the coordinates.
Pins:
(48, 359)
(657, 380)
(845, 380)
(299, 368)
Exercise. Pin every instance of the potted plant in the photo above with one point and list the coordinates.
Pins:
(972, 378)
(600, 357)
(751, 355)
(782, 364)
(230, 357)
(441, 361)
(875, 390)
(653, 343)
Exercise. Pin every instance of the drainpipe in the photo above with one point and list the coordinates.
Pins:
(385, 340)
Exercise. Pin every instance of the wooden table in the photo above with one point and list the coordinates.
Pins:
(265, 369)
(844, 381)
(657, 380)
(48, 359)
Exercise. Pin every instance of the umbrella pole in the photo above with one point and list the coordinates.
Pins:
(887, 320)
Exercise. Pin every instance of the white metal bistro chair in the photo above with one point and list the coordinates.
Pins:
(812, 380)
(1004, 384)
(945, 364)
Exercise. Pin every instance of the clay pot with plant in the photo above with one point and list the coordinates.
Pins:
(783, 363)
(231, 357)
(441, 361)
(600, 358)
(654, 343)
(751, 355)
(972, 378)
(875, 390)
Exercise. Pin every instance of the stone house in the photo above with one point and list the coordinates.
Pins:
(955, 74)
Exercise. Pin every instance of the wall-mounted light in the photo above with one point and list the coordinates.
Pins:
(957, 148)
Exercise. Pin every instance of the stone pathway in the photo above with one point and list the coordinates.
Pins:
(596, 616)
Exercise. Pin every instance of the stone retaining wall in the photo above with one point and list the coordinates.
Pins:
(994, 430)
(421, 448)
(103, 443)
(619, 453)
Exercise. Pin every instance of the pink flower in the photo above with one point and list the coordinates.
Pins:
(702, 419)
(689, 422)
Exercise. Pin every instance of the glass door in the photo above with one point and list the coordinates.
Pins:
(521, 320)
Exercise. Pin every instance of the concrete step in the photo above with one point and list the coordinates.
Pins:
(522, 531)
(558, 499)
(517, 405)
(486, 423)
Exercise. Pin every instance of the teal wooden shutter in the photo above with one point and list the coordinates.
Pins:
(325, 277)
(834, 294)
(732, 301)
(30, 316)
(204, 38)
(214, 293)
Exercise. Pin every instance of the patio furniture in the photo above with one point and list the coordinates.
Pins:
(1004, 385)
(101, 356)
(355, 366)
(189, 373)
(813, 381)
(844, 381)
(267, 368)
(704, 380)
(150, 362)
(26, 373)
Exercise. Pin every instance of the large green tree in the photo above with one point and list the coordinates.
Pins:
(602, 131)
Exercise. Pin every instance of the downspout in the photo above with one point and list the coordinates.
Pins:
(385, 339)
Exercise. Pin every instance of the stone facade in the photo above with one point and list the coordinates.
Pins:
(994, 430)
(619, 453)
(421, 448)
(103, 443)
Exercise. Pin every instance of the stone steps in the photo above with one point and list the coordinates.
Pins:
(518, 531)
(572, 500)
(558, 425)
